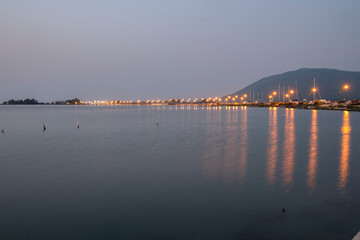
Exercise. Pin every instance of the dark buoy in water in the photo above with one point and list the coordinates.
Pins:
(283, 210)
(77, 124)
(2, 131)
(157, 122)
(44, 127)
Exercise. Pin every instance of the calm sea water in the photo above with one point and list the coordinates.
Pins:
(203, 173)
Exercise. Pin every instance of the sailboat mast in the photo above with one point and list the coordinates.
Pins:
(297, 93)
(314, 89)
(279, 93)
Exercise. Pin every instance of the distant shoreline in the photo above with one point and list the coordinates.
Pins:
(336, 107)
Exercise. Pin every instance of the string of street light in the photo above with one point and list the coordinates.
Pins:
(230, 99)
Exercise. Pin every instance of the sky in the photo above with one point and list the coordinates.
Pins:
(128, 50)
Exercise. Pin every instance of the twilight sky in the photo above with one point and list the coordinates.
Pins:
(113, 49)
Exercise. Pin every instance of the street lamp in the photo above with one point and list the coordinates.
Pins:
(314, 91)
(345, 87)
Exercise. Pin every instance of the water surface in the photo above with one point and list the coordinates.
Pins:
(203, 173)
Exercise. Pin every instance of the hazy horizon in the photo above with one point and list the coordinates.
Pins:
(57, 50)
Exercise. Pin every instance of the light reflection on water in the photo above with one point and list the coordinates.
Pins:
(272, 152)
(232, 141)
(228, 169)
(230, 162)
(289, 149)
(211, 164)
(345, 151)
(243, 144)
(236, 147)
(313, 152)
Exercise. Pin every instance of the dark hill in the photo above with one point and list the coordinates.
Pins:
(329, 82)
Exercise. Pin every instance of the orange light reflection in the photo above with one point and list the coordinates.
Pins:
(345, 151)
(313, 152)
(272, 151)
(289, 149)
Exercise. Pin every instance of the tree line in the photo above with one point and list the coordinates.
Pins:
(33, 102)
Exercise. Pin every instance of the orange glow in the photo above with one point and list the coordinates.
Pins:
(229, 96)
(270, 96)
(289, 149)
(345, 151)
(291, 91)
(245, 95)
(287, 95)
(346, 86)
(274, 93)
(314, 89)
(313, 153)
(272, 150)
(242, 98)
(236, 96)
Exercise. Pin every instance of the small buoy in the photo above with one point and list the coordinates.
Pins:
(283, 210)
(77, 124)
(44, 127)
(2, 131)
(157, 122)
